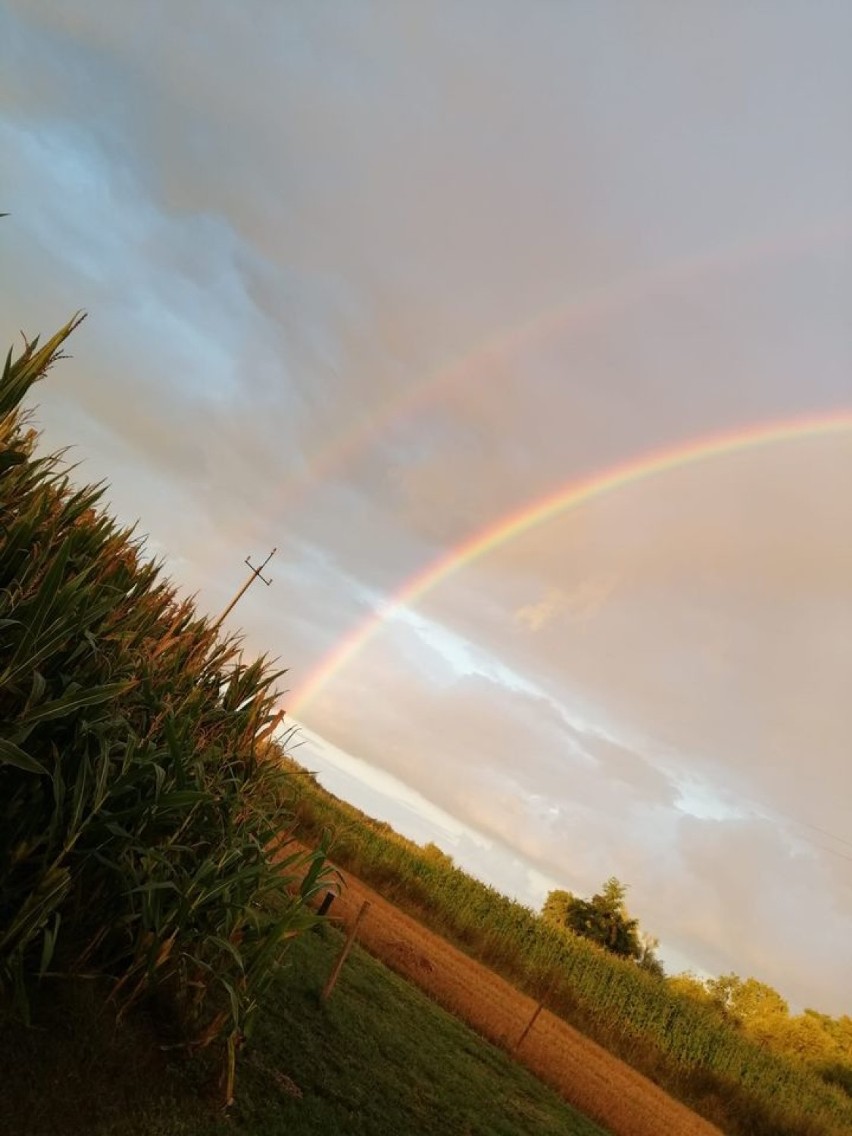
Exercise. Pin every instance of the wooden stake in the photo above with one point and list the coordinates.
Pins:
(529, 1026)
(347, 947)
(328, 900)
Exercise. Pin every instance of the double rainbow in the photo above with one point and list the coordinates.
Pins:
(566, 497)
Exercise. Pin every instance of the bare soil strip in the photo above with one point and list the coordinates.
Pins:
(587, 1076)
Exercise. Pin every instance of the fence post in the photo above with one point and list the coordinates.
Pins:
(528, 1027)
(327, 901)
(347, 947)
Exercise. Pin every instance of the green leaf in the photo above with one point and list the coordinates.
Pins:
(10, 754)
(47, 598)
(37, 908)
(49, 944)
(9, 458)
(59, 707)
(31, 366)
(38, 688)
(181, 799)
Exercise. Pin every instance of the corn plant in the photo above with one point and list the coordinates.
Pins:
(143, 835)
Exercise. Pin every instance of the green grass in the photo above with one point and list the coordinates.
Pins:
(379, 1059)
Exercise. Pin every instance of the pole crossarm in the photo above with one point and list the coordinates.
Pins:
(256, 573)
(259, 571)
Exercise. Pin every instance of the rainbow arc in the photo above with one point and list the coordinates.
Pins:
(571, 496)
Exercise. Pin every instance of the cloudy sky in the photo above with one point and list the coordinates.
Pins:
(365, 278)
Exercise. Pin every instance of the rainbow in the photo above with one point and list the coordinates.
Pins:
(566, 497)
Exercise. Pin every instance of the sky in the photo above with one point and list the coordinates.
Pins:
(366, 281)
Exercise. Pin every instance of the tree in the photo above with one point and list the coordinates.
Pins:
(556, 908)
(603, 919)
(749, 1001)
(689, 985)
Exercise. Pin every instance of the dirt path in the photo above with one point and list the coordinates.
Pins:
(586, 1075)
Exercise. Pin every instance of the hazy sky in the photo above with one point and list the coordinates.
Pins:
(364, 279)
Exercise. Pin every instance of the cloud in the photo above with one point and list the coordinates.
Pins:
(747, 923)
(534, 616)
(360, 291)
(582, 603)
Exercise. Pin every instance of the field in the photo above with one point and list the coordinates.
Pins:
(697, 1056)
(582, 1072)
(379, 1059)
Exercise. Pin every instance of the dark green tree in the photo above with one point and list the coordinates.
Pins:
(604, 920)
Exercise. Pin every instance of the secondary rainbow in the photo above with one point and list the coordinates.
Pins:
(566, 497)
(579, 312)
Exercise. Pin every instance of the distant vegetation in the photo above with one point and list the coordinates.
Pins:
(728, 1048)
(142, 836)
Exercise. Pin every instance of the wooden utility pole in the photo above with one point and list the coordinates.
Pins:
(256, 573)
(347, 947)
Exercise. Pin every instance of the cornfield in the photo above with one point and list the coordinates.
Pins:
(685, 1047)
(144, 834)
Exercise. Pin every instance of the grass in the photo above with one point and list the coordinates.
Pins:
(378, 1059)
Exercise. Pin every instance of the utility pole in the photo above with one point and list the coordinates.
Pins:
(256, 573)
